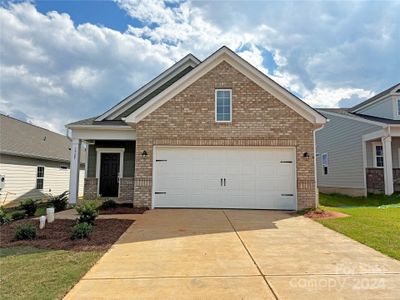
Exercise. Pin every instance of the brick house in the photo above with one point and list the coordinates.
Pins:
(216, 134)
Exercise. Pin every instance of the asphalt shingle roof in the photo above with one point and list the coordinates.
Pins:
(24, 139)
(346, 112)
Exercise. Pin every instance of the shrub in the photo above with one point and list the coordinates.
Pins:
(4, 219)
(81, 231)
(108, 204)
(87, 212)
(59, 202)
(29, 206)
(18, 215)
(25, 232)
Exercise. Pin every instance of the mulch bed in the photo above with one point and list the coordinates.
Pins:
(122, 209)
(57, 235)
(323, 215)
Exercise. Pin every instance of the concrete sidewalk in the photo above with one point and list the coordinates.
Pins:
(237, 254)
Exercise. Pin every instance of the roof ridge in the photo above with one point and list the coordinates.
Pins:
(34, 125)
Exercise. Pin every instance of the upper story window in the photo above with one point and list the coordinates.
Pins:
(398, 106)
(378, 155)
(40, 177)
(223, 105)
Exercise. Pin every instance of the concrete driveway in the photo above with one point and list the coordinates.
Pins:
(237, 254)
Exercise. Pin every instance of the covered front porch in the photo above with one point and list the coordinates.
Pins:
(110, 163)
(382, 160)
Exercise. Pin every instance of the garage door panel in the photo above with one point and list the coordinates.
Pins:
(254, 177)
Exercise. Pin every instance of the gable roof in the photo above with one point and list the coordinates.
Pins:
(150, 89)
(393, 89)
(23, 139)
(225, 54)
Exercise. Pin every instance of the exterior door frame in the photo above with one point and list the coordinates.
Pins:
(155, 147)
(119, 151)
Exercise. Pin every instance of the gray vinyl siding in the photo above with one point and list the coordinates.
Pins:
(129, 156)
(382, 109)
(341, 138)
(20, 178)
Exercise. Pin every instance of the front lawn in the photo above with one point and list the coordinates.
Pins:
(31, 273)
(374, 221)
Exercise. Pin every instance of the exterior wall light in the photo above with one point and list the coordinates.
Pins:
(306, 156)
(144, 154)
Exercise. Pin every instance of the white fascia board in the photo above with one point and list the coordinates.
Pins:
(100, 127)
(242, 66)
(104, 134)
(356, 119)
(149, 87)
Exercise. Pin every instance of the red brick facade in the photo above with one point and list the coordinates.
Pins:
(258, 119)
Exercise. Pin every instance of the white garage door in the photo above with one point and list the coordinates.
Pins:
(221, 177)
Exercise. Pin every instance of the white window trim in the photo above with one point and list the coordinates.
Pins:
(397, 101)
(215, 104)
(374, 144)
(99, 151)
(324, 165)
(44, 168)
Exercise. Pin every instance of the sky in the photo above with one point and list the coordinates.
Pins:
(62, 61)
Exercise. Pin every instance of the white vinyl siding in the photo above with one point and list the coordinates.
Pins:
(342, 139)
(21, 174)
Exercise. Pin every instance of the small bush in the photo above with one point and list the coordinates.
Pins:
(81, 231)
(87, 212)
(108, 204)
(4, 219)
(29, 206)
(18, 215)
(59, 202)
(25, 232)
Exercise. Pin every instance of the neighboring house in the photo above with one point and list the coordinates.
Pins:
(359, 148)
(217, 133)
(34, 161)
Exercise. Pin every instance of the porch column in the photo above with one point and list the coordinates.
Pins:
(387, 164)
(74, 170)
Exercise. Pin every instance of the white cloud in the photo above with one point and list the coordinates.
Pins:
(54, 71)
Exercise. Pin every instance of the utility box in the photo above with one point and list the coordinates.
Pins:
(2, 181)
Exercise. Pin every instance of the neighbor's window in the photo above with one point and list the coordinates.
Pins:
(39, 177)
(324, 160)
(378, 151)
(223, 105)
(398, 106)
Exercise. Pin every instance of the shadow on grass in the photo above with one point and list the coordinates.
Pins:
(344, 201)
(21, 250)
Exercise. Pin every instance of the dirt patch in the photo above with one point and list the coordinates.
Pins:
(122, 209)
(57, 235)
(324, 214)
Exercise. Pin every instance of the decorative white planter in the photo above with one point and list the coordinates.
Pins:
(50, 214)
(42, 221)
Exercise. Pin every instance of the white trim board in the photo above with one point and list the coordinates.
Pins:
(188, 60)
(224, 54)
(98, 164)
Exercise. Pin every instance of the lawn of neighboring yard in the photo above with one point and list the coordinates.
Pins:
(369, 223)
(31, 273)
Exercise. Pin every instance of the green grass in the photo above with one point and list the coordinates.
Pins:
(378, 228)
(31, 273)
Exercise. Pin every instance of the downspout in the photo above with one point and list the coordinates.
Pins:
(315, 161)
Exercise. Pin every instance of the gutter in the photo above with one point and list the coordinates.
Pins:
(315, 161)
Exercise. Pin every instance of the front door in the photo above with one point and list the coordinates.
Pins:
(109, 169)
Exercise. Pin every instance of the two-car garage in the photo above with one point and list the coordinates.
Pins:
(225, 177)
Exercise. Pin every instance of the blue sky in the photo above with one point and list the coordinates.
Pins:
(66, 60)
